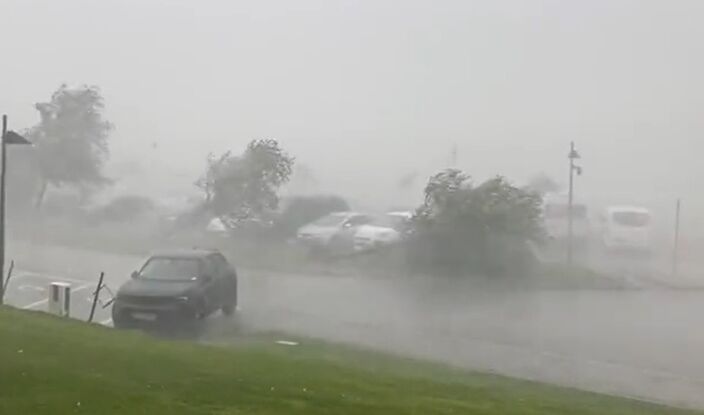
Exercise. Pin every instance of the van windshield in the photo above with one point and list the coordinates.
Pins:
(631, 219)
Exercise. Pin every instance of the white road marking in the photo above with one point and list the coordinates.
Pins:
(33, 282)
(46, 300)
(35, 304)
(29, 287)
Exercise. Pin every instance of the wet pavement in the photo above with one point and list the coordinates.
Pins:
(643, 343)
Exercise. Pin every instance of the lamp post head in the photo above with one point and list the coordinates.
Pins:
(573, 154)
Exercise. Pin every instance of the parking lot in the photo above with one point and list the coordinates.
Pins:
(30, 291)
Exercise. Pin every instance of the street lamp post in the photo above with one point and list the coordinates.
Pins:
(8, 137)
(572, 156)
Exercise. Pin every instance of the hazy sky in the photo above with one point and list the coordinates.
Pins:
(365, 92)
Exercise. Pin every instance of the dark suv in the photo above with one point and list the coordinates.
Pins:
(174, 288)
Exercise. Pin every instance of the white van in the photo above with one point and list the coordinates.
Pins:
(626, 228)
(556, 220)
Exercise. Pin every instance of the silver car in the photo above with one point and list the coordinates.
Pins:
(333, 233)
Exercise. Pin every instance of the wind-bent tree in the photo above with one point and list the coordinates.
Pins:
(71, 140)
(463, 228)
(241, 189)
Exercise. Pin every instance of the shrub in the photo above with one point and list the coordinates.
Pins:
(462, 228)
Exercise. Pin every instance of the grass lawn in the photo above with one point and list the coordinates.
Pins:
(52, 366)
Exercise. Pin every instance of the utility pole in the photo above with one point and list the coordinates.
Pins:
(3, 168)
(572, 156)
(676, 247)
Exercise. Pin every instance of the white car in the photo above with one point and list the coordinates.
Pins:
(383, 231)
(216, 226)
(333, 232)
(627, 228)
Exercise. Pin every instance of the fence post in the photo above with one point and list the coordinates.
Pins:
(95, 297)
(3, 287)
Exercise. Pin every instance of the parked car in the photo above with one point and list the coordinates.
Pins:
(176, 288)
(297, 211)
(217, 227)
(333, 233)
(626, 228)
(383, 231)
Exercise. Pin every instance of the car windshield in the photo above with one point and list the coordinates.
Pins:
(555, 211)
(631, 219)
(174, 269)
(330, 220)
(396, 222)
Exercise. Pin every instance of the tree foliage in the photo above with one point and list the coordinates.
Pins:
(463, 227)
(23, 180)
(122, 209)
(543, 184)
(215, 166)
(241, 189)
(71, 139)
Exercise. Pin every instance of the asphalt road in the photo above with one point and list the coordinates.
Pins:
(641, 344)
(647, 344)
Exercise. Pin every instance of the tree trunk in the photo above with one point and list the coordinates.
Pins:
(40, 196)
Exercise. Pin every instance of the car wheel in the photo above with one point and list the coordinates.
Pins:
(200, 312)
(337, 246)
(118, 324)
(228, 309)
(117, 320)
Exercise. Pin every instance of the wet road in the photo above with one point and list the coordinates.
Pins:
(640, 343)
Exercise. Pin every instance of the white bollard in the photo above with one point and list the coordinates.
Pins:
(60, 298)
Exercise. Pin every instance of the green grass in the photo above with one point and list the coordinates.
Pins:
(52, 366)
